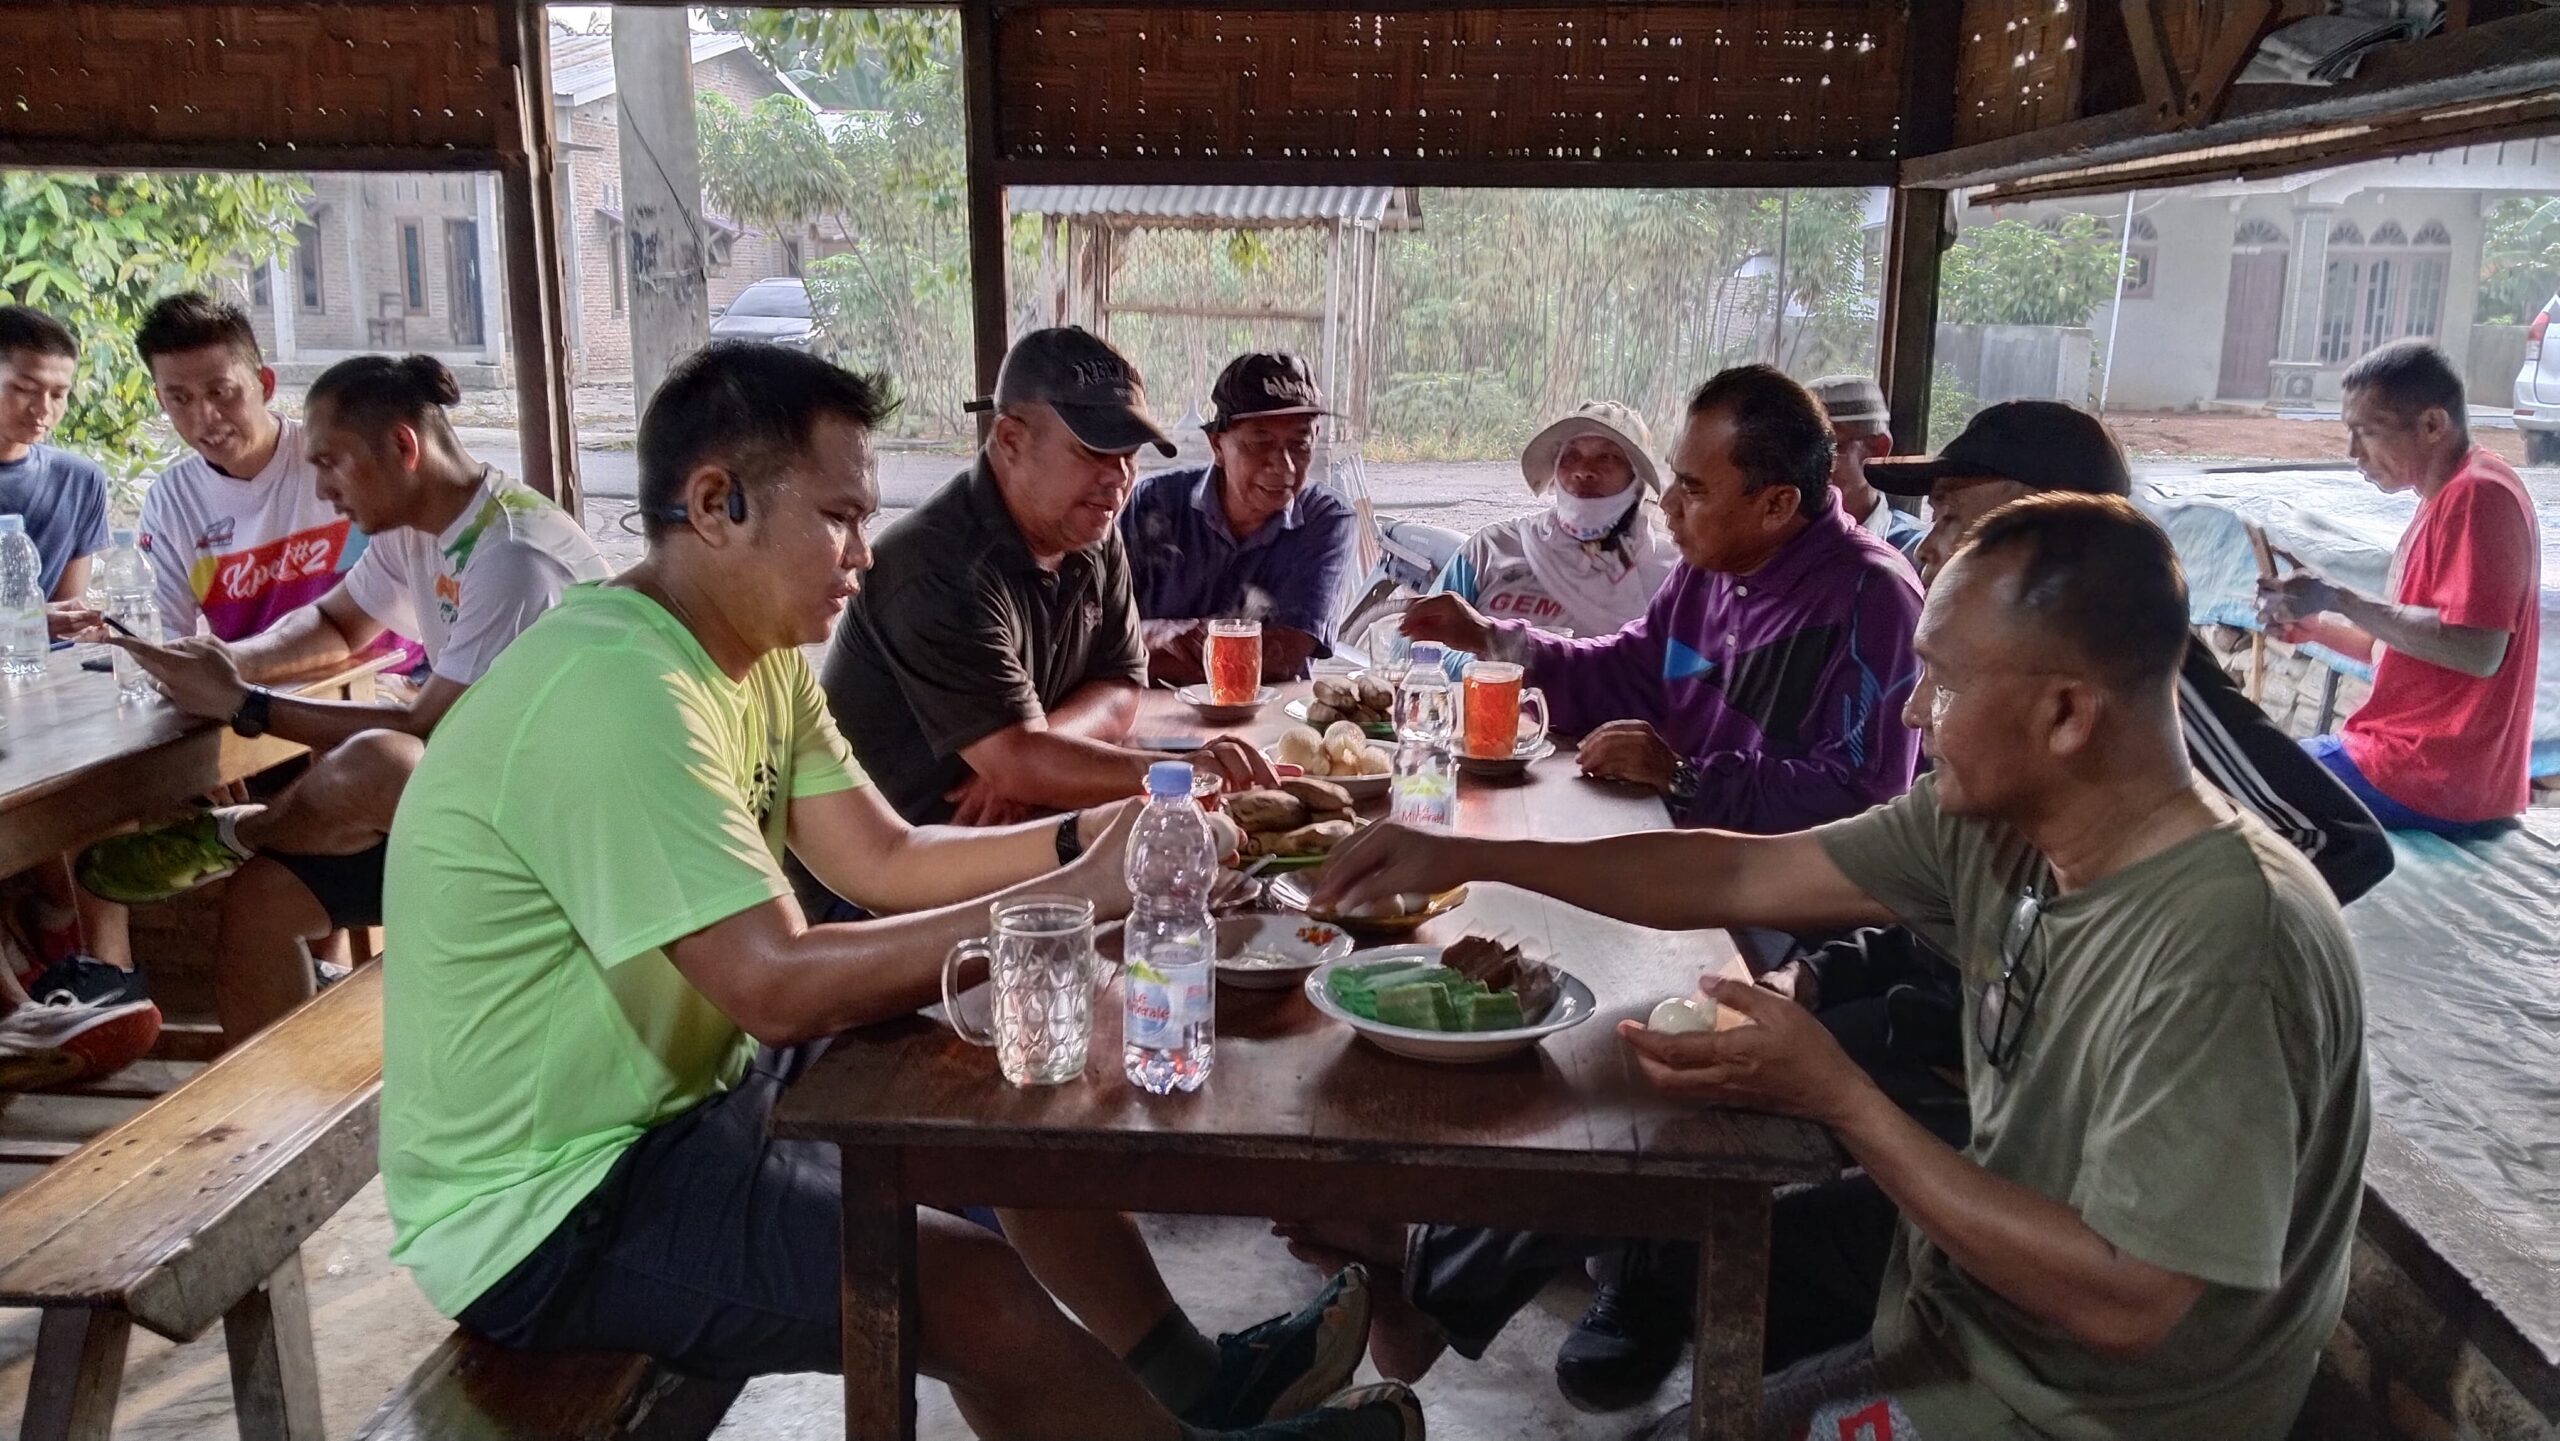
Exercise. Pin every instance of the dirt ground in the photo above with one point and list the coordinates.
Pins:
(2184, 436)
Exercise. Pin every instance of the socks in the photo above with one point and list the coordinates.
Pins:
(226, 826)
(1175, 1363)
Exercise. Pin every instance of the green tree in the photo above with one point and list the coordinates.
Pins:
(2519, 259)
(95, 250)
(2019, 272)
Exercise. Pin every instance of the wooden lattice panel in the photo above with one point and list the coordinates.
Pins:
(1747, 81)
(297, 79)
(2018, 67)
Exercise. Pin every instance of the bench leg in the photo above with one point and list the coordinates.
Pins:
(879, 1300)
(275, 1376)
(1733, 1314)
(71, 1395)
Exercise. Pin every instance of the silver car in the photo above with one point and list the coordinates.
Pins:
(776, 310)
(2538, 388)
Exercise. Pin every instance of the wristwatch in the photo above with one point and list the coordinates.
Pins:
(1684, 781)
(251, 719)
(1070, 844)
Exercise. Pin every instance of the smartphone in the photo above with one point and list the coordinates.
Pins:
(1176, 745)
(119, 626)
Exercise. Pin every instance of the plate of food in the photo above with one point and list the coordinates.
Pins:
(1273, 952)
(1364, 699)
(1475, 999)
(1342, 754)
(1220, 713)
(1494, 768)
(1402, 915)
(1291, 826)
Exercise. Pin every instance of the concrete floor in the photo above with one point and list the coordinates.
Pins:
(373, 1327)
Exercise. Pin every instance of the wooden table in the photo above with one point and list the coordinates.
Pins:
(76, 762)
(1302, 1121)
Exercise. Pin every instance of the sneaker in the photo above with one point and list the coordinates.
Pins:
(1629, 1337)
(140, 867)
(1385, 1411)
(58, 1040)
(1290, 1363)
(90, 981)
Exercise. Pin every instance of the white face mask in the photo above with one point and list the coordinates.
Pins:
(1590, 519)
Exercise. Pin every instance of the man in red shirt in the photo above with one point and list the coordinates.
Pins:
(2440, 744)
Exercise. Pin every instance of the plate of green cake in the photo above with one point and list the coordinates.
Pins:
(1473, 1000)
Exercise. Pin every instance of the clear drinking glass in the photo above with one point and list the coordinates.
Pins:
(1040, 967)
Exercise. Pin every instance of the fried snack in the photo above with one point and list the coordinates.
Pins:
(1324, 800)
(1310, 840)
(1267, 810)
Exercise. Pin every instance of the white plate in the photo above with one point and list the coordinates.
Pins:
(1574, 1005)
(1496, 768)
(1359, 788)
(1215, 713)
(1377, 730)
(1269, 953)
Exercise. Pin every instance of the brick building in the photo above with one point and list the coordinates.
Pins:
(410, 262)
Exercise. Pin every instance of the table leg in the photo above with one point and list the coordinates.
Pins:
(1733, 1301)
(880, 1315)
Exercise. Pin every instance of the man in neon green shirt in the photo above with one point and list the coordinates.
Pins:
(593, 933)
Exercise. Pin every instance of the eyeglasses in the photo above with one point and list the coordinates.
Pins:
(2001, 1013)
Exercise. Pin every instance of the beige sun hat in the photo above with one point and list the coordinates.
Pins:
(1605, 418)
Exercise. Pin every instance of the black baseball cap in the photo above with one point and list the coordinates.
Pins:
(2042, 444)
(1078, 374)
(1262, 383)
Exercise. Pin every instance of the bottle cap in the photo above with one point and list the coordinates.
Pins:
(16, 525)
(1169, 778)
(1426, 652)
(119, 537)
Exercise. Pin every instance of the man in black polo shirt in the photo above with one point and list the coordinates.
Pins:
(990, 667)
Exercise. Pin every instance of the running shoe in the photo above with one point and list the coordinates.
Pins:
(90, 981)
(1290, 1363)
(140, 867)
(1385, 1411)
(58, 1040)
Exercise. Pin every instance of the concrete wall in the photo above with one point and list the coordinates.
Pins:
(2018, 362)
(2496, 354)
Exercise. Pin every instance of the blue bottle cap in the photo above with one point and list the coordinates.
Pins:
(13, 525)
(1426, 652)
(1169, 778)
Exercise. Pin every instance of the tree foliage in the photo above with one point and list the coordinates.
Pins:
(2519, 259)
(2018, 272)
(95, 250)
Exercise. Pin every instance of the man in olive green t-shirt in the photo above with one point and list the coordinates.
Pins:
(2148, 1233)
(585, 895)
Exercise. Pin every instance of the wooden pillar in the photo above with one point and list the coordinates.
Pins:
(1915, 243)
(545, 423)
(988, 313)
(664, 260)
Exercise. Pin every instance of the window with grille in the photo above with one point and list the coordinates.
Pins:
(306, 266)
(2141, 259)
(2381, 289)
(413, 266)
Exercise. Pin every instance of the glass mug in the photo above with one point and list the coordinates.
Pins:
(1234, 661)
(1490, 700)
(1040, 972)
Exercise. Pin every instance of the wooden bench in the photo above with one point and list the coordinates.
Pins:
(472, 1390)
(194, 1211)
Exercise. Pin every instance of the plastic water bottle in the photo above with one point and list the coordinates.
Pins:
(1168, 1023)
(24, 643)
(128, 582)
(1424, 791)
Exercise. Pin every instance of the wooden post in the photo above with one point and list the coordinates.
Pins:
(275, 1376)
(1733, 1279)
(79, 1368)
(666, 236)
(545, 422)
(987, 307)
(1915, 244)
(881, 1321)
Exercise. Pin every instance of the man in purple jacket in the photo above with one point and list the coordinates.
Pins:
(1762, 690)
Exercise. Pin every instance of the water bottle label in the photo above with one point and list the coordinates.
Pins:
(1163, 1005)
(1427, 800)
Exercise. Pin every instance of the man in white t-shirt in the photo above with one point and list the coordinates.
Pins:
(460, 556)
(238, 535)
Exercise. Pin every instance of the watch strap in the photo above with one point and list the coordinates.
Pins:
(252, 717)
(1070, 843)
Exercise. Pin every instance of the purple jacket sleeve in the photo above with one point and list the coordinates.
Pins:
(1592, 681)
(1855, 753)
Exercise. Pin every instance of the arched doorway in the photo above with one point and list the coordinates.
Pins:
(2253, 313)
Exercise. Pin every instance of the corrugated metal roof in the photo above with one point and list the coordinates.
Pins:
(1222, 205)
(582, 65)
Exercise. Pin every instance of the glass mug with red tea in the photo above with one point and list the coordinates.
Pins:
(1490, 702)
(1234, 661)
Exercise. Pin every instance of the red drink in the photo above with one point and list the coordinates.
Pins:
(1492, 707)
(1234, 661)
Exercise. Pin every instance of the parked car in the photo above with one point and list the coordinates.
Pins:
(776, 310)
(2538, 388)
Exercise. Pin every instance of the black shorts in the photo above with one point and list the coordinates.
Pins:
(349, 888)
